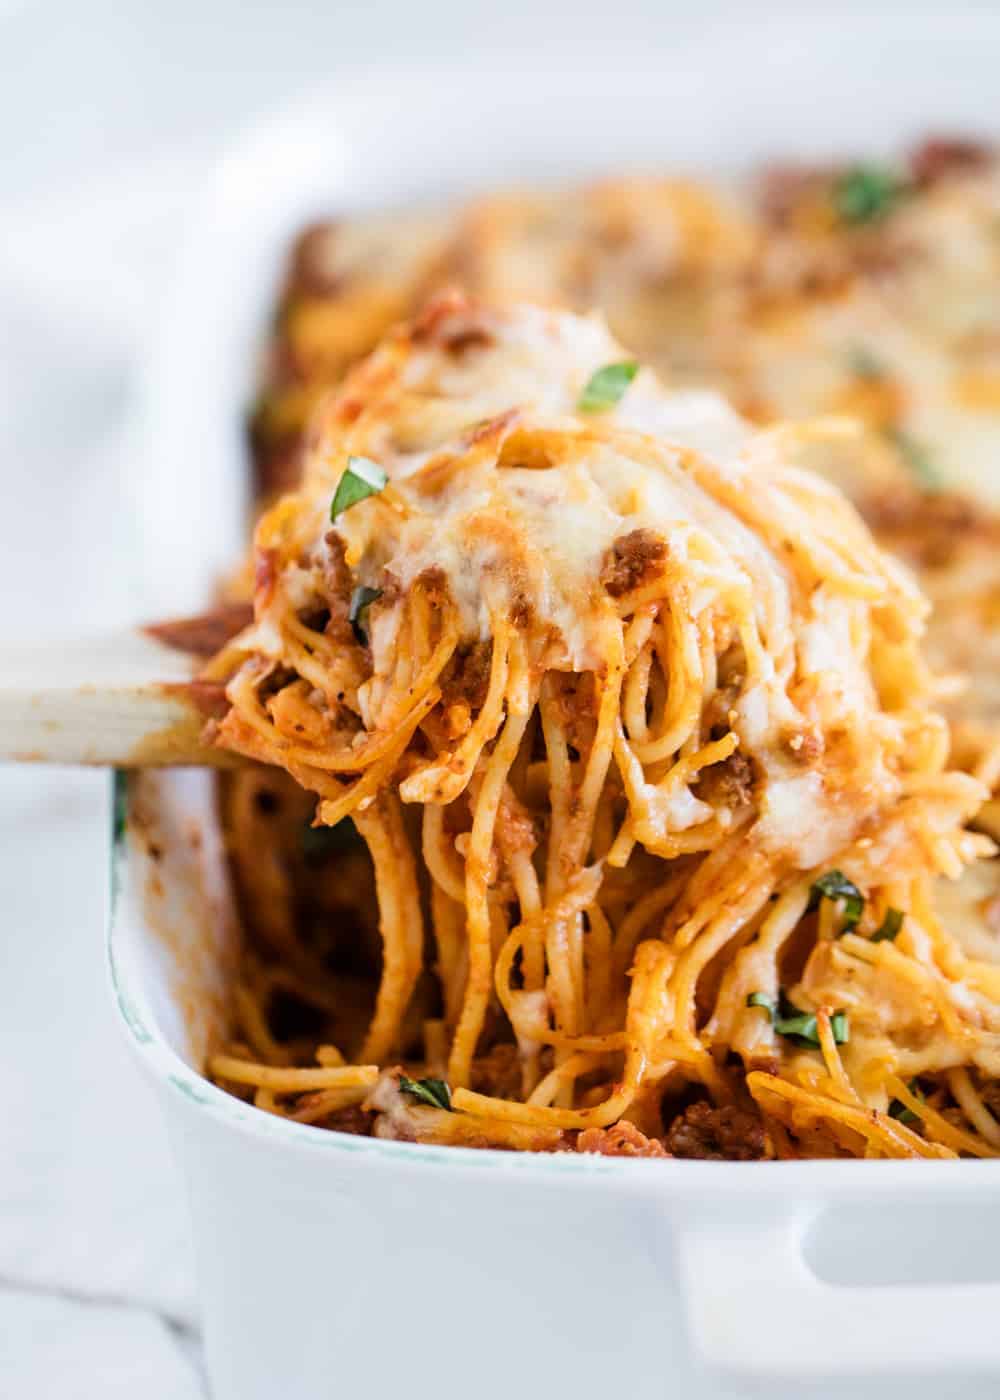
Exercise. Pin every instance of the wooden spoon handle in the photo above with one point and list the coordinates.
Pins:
(127, 699)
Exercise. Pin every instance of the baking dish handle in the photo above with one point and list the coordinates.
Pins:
(754, 1306)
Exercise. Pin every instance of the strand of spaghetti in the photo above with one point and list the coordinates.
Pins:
(268, 746)
(636, 694)
(232, 656)
(560, 783)
(987, 766)
(722, 875)
(928, 977)
(420, 620)
(354, 757)
(440, 856)
(639, 630)
(948, 956)
(443, 781)
(517, 840)
(754, 969)
(695, 958)
(645, 1010)
(557, 1079)
(639, 916)
(580, 893)
(448, 919)
(651, 807)
(324, 666)
(971, 1103)
(463, 1130)
(477, 860)
(680, 663)
(841, 1086)
(529, 901)
(561, 985)
(251, 1020)
(935, 1125)
(394, 707)
(623, 846)
(598, 965)
(292, 1081)
(241, 693)
(578, 829)
(894, 1138)
(326, 1101)
(400, 922)
(333, 810)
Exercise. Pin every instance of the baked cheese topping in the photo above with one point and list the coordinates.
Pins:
(504, 488)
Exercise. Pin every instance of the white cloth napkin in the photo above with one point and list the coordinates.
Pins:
(97, 1294)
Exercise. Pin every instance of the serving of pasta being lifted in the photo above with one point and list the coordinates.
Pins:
(630, 714)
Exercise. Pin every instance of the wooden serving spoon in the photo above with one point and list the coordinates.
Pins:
(127, 699)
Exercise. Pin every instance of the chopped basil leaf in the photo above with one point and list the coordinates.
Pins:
(362, 478)
(866, 193)
(803, 1030)
(800, 1026)
(863, 364)
(605, 386)
(835, 885)
(320, 842)
(889, 927)
(361, 600)
(899, 1110)
(763, 1000)
(431, 1091)
(917, 458)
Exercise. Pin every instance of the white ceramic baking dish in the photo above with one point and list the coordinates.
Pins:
(333, 1265)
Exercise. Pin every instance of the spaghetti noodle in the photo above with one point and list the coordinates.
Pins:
(631, 715)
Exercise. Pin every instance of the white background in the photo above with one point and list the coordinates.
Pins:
(111, 114)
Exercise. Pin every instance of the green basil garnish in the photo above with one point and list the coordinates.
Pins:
(362, 478)
(863, 364)
(762, 999)
(800, 1026)
(866, 193)
(835, 885)
(361, 600)
(899, 1110)
(917, 458)
(606, 386)
(889, 927)
(802, 1030)
(430, 1091)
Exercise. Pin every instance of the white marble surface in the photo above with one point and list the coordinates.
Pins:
(110, 113)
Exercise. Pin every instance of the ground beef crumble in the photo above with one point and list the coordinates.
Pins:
(717, 1134)
(726, 784)
(634, 559)
(623, 1140)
